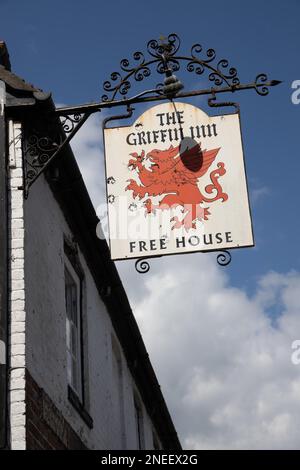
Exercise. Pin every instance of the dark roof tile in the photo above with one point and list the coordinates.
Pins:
(14, 81)
(4, 56)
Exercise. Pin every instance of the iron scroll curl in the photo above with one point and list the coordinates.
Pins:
(142, 266)
(164, 57)
(224, 258)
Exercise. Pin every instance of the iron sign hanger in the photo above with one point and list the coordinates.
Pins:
(163, 58)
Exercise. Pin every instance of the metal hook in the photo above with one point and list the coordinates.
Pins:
(212, 102)
(130, 110)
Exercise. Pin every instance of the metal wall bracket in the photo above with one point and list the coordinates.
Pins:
(41, 149)
(163, 56)
(214, 104)
(142, 265)
(62, 124)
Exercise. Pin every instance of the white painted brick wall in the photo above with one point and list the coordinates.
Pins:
(16, 290)
(43, 351)
(45, 227)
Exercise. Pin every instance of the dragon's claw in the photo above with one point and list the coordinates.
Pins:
(206, 213)
(150, 208)
(178, 223)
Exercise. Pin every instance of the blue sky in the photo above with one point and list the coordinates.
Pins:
(70, 50)
(71, 47)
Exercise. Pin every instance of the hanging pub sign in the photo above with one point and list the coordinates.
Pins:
(176, 183)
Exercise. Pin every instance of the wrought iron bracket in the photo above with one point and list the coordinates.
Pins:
(41, 150)
(162, 57)
(142, 265)
(214, 104)
(157, 95)
(118, 116)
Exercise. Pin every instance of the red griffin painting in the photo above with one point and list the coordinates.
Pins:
(174, 174)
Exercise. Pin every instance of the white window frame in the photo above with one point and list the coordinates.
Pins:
(74, 348)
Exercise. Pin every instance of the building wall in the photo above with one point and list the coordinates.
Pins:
(45, 228)
(16, 290)
(46, 427)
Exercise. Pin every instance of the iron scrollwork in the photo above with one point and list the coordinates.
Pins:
(224, 258)
(41, 149)
(218, 74)
(142, 266)
(164, 56)
(69, 122)
(38, 151)
(260, 84)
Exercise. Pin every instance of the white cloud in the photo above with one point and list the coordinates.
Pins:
(225, 370)
(224, 366)
(258, 193)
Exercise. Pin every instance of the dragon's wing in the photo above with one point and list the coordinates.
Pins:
(196, 162)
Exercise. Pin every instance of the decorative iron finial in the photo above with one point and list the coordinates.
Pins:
(166, 47)
(162, 39)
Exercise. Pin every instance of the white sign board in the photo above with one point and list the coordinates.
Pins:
(176, 183)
